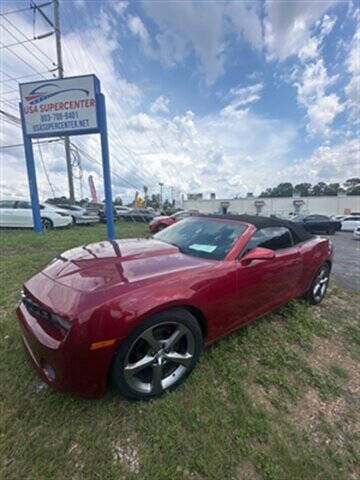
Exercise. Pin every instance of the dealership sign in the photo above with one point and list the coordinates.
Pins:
(66, 106)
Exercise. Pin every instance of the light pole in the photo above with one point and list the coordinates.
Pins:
(161, 193)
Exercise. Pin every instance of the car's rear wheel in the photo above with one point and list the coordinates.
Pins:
(47, 224)
(158, 355)
(319, 285)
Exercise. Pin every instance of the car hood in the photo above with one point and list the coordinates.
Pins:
(121, 263)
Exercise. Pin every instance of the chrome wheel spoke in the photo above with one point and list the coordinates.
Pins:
(156, 385)
(316, 288)
(149, 338)
(134, 368)
(180, 358)
(175, 337)
(324, 280)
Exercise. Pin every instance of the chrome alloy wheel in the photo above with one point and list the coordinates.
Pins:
(159, 357)
(321, 283)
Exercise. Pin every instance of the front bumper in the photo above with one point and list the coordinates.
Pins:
(66, 365)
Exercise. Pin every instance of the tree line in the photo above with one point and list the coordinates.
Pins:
(287, 189)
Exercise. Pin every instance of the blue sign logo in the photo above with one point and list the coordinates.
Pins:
(38, 95)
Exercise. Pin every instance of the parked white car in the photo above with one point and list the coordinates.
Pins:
(339, 218)
(356, 233)
(78, 214)
(18, 213)
(121, 209)
(349, 223)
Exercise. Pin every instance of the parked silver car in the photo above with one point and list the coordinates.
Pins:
(79, 215)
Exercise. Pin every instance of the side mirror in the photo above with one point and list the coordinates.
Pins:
(257, 253)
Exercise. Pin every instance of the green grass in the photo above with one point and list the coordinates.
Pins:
(241, 414)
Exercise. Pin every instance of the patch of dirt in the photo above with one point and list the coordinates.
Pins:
(246, 471)
(326, 352)
(259, 396)
(306, 413)
(127, 455)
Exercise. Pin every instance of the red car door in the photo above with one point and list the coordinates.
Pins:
(263, 284)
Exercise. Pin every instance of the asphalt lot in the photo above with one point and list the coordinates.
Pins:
(346, 267)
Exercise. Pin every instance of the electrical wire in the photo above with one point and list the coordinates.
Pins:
(128, 153)
(32, 40)
(22, 60)
(23, 46)
(45, 170)
(14, 11)
(15, 79)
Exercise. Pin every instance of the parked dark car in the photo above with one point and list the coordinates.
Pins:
(137, 215)
(102, 214)
(318, 224)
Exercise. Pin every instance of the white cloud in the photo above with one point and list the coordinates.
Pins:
(245, 95)
(137, 28)
(287, 25)
(312, 85)
(161, 105)
(141, 123)
(119, 6)
(203, 33)
(328, 163)
(322, 113)
(244, 18)
(352, 89)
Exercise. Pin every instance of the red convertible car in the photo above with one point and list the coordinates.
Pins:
(140, 311)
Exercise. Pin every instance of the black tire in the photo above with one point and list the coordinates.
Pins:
(74, 220)
(331, 231)
(318, 288)
(46, 223)
(165, 364)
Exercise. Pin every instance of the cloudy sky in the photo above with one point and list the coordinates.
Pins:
(228, 97)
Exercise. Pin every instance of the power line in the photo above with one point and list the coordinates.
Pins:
(44, 168)
(15, 79)
(24, 46)
(21, 59)
(16, 145)
(33, 40)
(14, 11)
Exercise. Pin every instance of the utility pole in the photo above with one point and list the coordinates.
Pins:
(61, 75)
(145, 195)
(161, 194)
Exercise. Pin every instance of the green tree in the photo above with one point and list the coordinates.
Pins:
(303, 189)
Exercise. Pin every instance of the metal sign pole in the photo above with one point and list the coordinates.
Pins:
(106, 166)
(30, 166)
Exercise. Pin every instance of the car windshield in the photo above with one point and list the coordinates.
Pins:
(203, 237)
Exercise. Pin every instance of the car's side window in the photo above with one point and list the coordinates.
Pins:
(22, 204)
(274, 238)
(7, 204)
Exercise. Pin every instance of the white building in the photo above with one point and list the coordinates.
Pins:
(332, 205)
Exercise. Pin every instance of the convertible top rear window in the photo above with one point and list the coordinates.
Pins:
(203, 236)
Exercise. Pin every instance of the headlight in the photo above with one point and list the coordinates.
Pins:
(63, 214)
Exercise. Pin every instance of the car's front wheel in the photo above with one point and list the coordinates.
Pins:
(158, 355)
(319, 285)
(47, 224)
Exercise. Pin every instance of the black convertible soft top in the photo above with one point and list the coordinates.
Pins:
(262, 222)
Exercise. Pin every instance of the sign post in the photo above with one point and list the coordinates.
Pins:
(66, 106)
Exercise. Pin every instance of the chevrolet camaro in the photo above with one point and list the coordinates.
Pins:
(140, 311)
